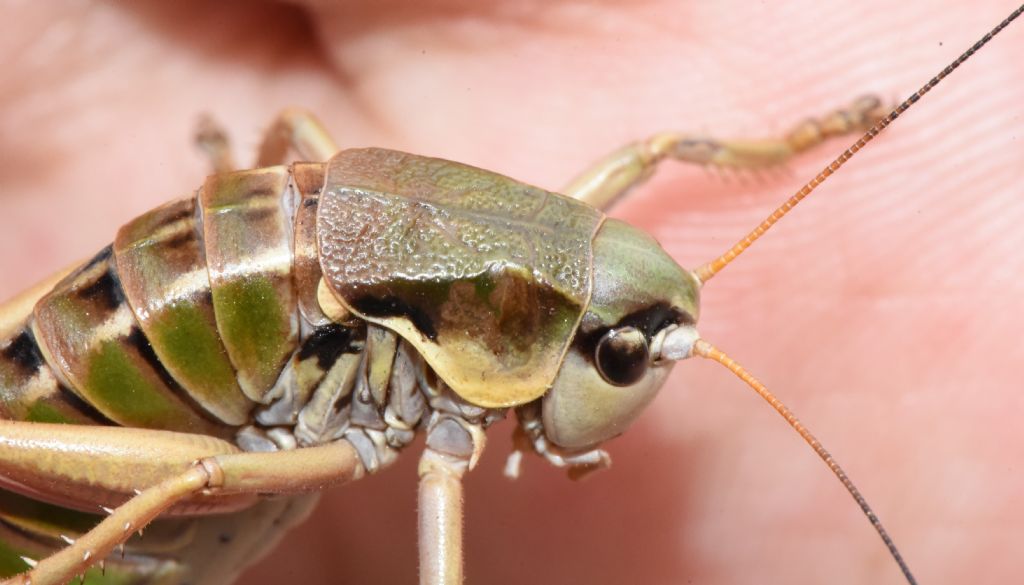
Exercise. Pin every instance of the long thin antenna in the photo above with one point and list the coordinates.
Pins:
(706, 350)
(708, 270)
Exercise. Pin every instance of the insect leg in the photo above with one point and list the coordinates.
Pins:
(95, 545)
(213, 141)
(612, 177)
(440, 522)
(293, 129)
(453, 447)
(86, 467)
(283, 472)
(298, 130)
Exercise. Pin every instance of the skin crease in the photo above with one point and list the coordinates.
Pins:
(885, 311)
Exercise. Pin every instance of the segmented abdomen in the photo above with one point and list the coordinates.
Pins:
(201, 312)
(184, 323)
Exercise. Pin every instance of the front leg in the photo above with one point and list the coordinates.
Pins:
(453, 447)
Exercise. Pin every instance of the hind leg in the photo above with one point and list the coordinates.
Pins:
(612, 177)
(91, 466)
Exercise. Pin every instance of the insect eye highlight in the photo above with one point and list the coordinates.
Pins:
(622, 356)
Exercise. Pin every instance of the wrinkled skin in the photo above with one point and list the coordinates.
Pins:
(886, 312)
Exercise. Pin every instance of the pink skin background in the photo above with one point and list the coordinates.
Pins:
(886, 311)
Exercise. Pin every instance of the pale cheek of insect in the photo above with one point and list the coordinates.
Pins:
(582, 409)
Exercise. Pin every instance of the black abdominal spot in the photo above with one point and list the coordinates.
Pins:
(137, 339)
(105, 289)
(81, 406)
(23, 352)
(395, 307)
(327, 343)
(101, 256)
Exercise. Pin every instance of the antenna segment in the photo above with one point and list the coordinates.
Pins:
(709, 269)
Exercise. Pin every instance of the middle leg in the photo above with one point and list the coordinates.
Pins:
(453, 447)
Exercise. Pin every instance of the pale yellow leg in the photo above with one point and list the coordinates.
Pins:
(213, 141)
(293, 130)
(440, 519)
(612, 177)
(93, 546)
(109, 460)
(454, 445)
(298, 130)
(86, 467)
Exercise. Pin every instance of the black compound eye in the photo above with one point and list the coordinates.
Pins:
(621, 356)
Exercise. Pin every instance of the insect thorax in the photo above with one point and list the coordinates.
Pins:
(361, 383)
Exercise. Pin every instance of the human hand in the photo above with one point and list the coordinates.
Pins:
(885, 311)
